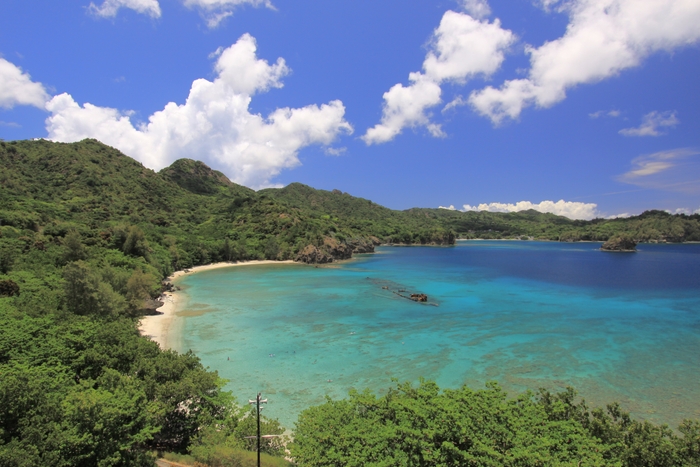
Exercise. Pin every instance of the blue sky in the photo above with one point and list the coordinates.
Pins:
(584, 108)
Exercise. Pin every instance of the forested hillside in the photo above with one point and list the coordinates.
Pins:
(86, 236)
(650, 226)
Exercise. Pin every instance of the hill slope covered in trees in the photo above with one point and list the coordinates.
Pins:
(86, 236)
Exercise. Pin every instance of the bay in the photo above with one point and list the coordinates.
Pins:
(616, 326)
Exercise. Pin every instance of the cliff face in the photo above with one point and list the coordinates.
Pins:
(333, 249)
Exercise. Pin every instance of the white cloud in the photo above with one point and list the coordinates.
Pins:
(213, 125)
(17, 88)
(461, 48)
(659, 161)
(215, 11)
(603, 38)
(671, 170)
(109, 8)
(335, 151)
(570, 209)
(622, 215)
(651, 123)
(686, 211)
(451, 207)
(548, 4)
(454, 103)
(244, 73)
(478, 9)
(405, 107)
(605, 113)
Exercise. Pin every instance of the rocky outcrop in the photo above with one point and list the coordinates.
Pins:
(419, 297)
(619, 244)
(333, 249)
(313, 255)
(166, 286)
(150, 306)
(363, 245)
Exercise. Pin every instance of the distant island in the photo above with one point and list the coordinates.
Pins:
(620, 243)
(87, 236)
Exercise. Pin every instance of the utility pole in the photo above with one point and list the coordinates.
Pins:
(257, 403)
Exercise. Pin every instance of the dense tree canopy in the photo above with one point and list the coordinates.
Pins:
(422, 426)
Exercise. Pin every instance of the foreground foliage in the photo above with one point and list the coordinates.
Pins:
(422, 426)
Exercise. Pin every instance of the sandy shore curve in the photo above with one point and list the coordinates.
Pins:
(160, 327)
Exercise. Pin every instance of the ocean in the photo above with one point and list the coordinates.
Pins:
(619, 327)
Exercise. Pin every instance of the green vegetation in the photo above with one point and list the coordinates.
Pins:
(421, 426)
(86, 236)
(351, 214)
(650, 226)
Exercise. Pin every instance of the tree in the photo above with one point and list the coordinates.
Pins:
(107, 422)
(135, 243)
(689, 445)
(227, 250)
(74, 249)
(272, 248)
(8, 254)
(86, 294)
(8, 288)
(139, 288)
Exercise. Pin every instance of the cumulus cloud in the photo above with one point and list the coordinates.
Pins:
(651, 124)
(603, 38)
(214, 125)
(109, 8)
(215, 11)
(570, 209)
(17, 88)
(451, 207)
(404, 106)
(461, 48)
(671, 170)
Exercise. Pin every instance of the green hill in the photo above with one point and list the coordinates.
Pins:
(186, 211)
(362, 215)
(197, 177)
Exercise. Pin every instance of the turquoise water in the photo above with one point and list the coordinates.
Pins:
(617, 326)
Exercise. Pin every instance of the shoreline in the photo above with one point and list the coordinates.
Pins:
(159, 327)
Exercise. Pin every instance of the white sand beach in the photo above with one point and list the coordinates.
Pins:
(159, 327)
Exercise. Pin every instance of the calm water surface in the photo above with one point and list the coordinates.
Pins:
(616, 326)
